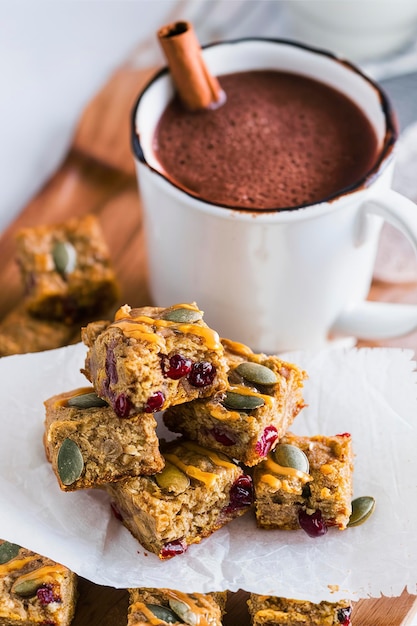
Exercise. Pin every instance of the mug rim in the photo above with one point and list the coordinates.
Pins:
(384, 156)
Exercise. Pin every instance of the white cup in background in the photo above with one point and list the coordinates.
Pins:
(362, 30)
(285, 279)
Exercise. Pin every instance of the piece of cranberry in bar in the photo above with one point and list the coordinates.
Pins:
(198, 492)
(151, 358)
(306, 482)
(245, 421)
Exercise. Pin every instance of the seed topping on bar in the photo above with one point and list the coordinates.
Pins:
(208, 478)
(277, 470)
(143, 327)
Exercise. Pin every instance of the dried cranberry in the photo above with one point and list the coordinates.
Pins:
(155, 402)
(343, 615)
(176, 366)
(343, 435)
(172, 548)
(45, 594)
(265, 443)
(241, 494)
(222, 437)
(116, 512)
(110, 366)
(313, 525)
(122, 406)
(202, 374)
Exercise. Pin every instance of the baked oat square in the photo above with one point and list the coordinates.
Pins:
(66, 270)
(34, 590)
(289, 496)
(274, 611)
(149, 606)
(152, 357)
(88, 445)
(198, 492)
(246, 421)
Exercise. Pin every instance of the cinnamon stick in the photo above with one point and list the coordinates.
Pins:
(196, 87)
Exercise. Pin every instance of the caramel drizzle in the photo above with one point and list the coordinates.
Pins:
(40, 572)
(236, 347)
(15, 564)
(193, 472)
(43, 573)
(73, 394)
(133, 328)
(142, 608)
(198, 611)
(276, 469)
(272, 481)
(140, 328)
(175, 595)
(208, 478)
(219, 412)
(213, 456)
(247, 391)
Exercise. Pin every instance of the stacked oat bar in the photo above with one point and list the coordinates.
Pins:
(169, 495)
(232, 409)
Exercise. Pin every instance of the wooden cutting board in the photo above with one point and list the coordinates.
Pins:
(98, 177)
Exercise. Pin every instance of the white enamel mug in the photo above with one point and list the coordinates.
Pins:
(275, 280)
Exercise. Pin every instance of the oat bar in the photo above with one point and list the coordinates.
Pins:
(66, 270)
(89, 445)
(263, 397)
(149, 606)
(150, 358)
(198, 492)
(34, 590)
(288, 496)
(273, 611)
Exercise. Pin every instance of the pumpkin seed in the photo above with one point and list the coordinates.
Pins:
(183, 316)
(64, 256)
(362, 508)
(288, 455)
(241, 401)
(184, 612)
(70, 462)
(8, 551)
(26, 588)
(256, 373)
(172, 479)
(163, 613)
(86, 401)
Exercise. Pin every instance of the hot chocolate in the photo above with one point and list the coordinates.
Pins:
(280, 140)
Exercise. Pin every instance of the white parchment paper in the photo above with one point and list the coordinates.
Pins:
(371, 393)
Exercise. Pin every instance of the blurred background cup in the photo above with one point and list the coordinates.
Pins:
(362, 30)
(281, 279)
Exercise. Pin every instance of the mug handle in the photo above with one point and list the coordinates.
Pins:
(383, 320)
